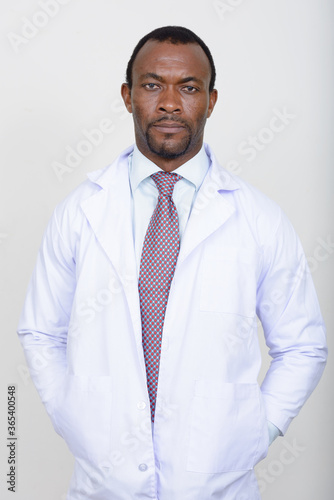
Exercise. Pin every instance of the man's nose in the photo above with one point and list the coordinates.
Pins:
(170, 101)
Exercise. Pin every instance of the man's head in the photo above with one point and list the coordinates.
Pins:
(176, 35)
(170, 91)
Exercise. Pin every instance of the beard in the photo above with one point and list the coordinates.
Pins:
(168, 148)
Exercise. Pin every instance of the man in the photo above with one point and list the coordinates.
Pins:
(144, 304)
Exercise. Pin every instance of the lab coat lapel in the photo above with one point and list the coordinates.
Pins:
(109, 214)
(211, 208)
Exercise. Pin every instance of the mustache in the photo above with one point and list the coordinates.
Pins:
(170, 119)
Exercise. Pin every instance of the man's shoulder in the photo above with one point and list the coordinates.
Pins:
(256, 198)
(243, 192)
(263, 216)
(97, 181)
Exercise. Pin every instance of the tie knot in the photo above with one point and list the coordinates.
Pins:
(165, 182)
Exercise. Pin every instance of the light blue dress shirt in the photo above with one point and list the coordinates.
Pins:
(144, 195)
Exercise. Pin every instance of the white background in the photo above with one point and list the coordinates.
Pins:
(65, 78)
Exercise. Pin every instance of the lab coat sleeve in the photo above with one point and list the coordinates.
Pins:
(289, 311)
(44, 321)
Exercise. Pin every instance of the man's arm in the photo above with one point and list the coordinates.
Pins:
(288, 308)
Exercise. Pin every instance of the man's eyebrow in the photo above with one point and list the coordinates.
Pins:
(161, 78)
(152, 75)
(190, 79)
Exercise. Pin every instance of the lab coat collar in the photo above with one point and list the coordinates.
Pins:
(212, 207)
(194, 170)
(105, 177)
(109, 211)
(223, 180)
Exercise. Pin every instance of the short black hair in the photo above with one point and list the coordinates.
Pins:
(175, 35)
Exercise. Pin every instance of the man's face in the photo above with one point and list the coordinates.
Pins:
(170, 101)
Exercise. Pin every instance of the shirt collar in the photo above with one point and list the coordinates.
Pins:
(194, 170)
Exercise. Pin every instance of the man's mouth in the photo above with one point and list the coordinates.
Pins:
(169, 127)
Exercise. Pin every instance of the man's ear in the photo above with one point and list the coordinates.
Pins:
(126, 94)
(212, 101)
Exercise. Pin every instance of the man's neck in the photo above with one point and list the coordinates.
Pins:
(169, 164)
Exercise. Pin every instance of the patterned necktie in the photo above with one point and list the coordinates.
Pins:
(157, 265)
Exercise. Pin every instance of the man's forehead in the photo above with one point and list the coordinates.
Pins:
(156, 54)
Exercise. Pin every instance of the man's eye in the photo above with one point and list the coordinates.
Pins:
(190, 89)
(151, 86)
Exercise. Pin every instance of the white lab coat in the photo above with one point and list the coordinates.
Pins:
(81, 330)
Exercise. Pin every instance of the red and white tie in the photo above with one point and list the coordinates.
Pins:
(158, 260)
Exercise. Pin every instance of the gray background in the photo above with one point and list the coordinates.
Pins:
(64, 76)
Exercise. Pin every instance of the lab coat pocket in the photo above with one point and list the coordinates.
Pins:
(82, 416)
(228, 282)
(228, 427)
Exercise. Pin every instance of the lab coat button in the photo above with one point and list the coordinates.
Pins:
(141, 405)
(142, 467)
